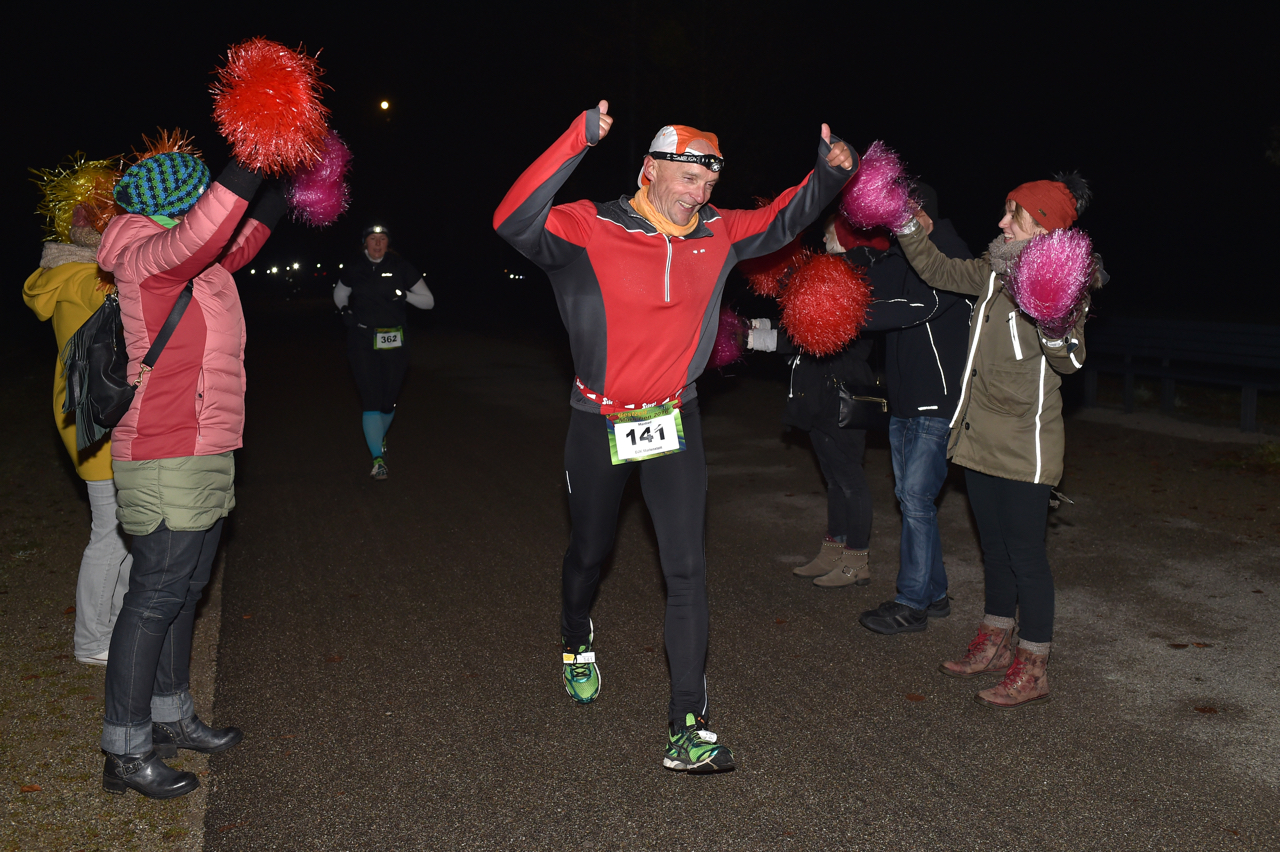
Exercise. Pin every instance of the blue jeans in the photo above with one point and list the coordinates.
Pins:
(149, 665)
(919, 449)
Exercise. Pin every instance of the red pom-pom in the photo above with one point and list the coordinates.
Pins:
(768, 273)
(729, 339)
(266, 102)
(825, 305)
(318, 194)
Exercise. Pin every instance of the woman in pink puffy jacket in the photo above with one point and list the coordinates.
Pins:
(172, 452)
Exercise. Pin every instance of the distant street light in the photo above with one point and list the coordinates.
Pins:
(385, 105)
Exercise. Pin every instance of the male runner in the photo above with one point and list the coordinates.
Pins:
(638, 283)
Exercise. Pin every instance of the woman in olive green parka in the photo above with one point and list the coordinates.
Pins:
(1007, 432)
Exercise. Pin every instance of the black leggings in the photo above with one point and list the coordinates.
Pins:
(840, 454)
(379, 372)
(675, 491)
(1012, 517)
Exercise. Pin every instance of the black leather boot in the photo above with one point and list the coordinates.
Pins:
(147, 774)
(191, 733)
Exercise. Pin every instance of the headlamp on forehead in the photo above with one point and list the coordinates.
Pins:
(710, 162)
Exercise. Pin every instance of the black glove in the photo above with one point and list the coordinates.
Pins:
(268, 205)
(240, 180)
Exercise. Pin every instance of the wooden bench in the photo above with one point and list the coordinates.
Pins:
(1234, 354)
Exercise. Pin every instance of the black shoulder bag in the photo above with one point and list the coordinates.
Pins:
(97, 368)
(863, 407)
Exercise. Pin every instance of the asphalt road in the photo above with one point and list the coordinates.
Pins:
(391, 649)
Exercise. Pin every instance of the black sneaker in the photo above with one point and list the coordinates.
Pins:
(940, 608)
(893, 617)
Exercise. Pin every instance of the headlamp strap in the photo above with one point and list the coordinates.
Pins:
(709, 162)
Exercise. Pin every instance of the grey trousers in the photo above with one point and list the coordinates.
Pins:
(104, 573)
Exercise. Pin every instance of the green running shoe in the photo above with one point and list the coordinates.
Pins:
(692, 748)
(581, 677)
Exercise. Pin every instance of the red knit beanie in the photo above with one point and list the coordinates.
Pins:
(1048, 201)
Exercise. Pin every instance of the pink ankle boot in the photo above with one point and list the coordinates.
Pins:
(988, 654)
(1025, 683)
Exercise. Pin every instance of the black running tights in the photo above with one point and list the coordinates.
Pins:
(675, 491)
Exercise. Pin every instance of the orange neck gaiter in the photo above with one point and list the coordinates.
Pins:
(664, 225)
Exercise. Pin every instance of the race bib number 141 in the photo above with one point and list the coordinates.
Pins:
(645, 434)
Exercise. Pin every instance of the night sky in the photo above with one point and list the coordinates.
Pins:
(1170, 119)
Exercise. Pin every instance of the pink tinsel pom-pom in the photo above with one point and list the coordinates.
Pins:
(266, 102)
(729, 339)
(880, 193)
(825, 305)
(1049, 279)
(318, 194)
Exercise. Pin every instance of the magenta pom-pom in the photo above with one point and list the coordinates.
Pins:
(1049, 279)
(879, 196)
(318, 194)
(729, 339)
(825, 305)
(266, 102)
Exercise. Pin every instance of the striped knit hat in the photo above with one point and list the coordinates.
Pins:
(163, 185)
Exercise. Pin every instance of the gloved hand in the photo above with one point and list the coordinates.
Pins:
(762, 338)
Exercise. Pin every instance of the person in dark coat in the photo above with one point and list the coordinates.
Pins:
(926, 332)
(813, 404)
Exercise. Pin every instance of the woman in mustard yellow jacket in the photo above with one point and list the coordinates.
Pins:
(67, 288)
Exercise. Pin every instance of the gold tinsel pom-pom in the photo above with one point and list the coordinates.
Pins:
(77, 181)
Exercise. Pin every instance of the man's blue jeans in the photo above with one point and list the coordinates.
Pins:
(148, 668)
(919, 449)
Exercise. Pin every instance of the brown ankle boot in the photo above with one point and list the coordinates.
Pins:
(828, 560)
(1025, 683)
(853, 567)
(988, 654)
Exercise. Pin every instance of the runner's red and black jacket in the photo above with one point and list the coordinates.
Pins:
(642, 308)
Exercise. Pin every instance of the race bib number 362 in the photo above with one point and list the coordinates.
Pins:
(645, 434)
(388, 338)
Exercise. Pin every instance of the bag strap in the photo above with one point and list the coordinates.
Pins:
(166, 331)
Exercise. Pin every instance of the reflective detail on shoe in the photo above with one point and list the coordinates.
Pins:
(581, 677)
(892, 617)
(379, 469)
(692, 748)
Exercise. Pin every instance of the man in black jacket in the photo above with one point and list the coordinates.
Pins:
(926, 334)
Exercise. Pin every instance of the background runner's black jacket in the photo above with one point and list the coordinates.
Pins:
(377, 289)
